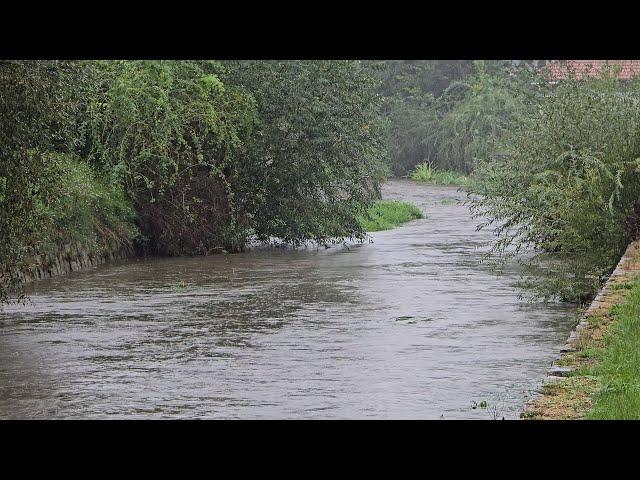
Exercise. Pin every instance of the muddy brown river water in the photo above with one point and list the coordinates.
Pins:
(409, 326)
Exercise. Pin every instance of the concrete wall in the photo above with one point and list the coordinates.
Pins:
(71, 258)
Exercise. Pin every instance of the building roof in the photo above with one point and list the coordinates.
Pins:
(560, 69)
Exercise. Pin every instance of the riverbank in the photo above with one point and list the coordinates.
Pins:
(598, 374)
(382, 215)
(72, 258)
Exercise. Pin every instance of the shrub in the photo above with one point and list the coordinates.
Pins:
(315, 155)
(165, 130)
(565, 182)
(472, 114)
(79, 208)
(38, 110)
(448, 112)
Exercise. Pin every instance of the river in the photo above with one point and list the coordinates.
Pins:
(409, 325)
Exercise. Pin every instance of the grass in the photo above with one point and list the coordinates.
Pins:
(388, 214)
(604, 383)
(569, 399)
(619, 370)
(425, 172)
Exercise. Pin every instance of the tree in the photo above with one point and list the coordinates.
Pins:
(315, 156)
(565, 182)
(472, 114)
(166, 130)
(38, 108)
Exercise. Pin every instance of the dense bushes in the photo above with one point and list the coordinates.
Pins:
(472, 114)
(214, 152)
(207, 153)
(79, 208)
(565, 182)
(408, 107)
(165, 131)
(314, 158)
(41, 126)
(448, 113)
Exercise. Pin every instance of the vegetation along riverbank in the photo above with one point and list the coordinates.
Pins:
(425, 172)
(598, 376)
(196, 157)
(103, 159)
(182, 157)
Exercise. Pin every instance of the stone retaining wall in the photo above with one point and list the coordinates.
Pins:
(72, 258)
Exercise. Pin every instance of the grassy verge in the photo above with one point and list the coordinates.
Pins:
(426, 173)
(387, 214)
(604, 378)
(619, 369)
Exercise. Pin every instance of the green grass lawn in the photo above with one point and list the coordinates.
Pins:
(387, 214)
(426, 173)
(619, 369)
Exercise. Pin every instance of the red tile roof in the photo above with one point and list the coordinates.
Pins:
(560, 69)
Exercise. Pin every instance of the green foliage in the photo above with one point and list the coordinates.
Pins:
(410, 120)
(207, 154)
(472, 114)
(48, 196)
(315, 156)
(213, 152)
(425, 172)
(165, 130)
(448, 113)
(38, 108)
(408, 108)
(565, 182)
(78, 208)
(403, 78)
(388, 214)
